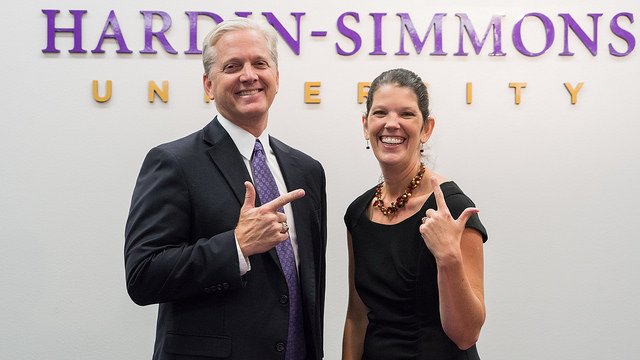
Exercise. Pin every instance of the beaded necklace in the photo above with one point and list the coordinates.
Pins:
(402, 199)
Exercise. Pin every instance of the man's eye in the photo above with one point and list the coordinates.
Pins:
(229, 68)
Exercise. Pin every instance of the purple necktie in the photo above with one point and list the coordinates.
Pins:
(268, 190)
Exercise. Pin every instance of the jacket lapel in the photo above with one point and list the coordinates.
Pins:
(226, 157)
(302, 211)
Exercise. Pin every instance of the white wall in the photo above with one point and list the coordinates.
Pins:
(557, 184)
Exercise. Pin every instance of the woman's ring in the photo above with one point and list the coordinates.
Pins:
(424, 219)
(285, 227)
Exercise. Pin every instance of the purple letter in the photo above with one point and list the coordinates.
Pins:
(517, 35)
(465, 24)
(377, 31)
(193, 29)
(243, 14)
(623, 34)
(354, 36)
(592, 45)
(52, 30)
(149, 33)
(294, 44)
(112, 21)
(436, 23)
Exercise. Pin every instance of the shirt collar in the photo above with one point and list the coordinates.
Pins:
(244, 140)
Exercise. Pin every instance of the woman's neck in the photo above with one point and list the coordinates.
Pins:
(396, 179)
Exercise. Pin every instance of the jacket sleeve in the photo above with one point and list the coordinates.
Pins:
(162, 261)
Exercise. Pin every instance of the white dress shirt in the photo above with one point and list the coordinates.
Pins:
(245, 142)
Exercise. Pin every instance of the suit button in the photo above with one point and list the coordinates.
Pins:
(225, 286)
(207, 290)
(280, 346)
(284, 299)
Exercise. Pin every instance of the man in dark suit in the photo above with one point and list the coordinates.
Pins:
(234, 276)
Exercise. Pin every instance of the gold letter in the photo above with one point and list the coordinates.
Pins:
(96, 95)
(154, 89)
(469, 92)
(362, 93)
(308, 92)
(518, 87)
(573, 92)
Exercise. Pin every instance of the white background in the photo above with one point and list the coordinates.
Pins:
(557, 184)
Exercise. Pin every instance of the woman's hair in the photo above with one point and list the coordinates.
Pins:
(209, 42)
(402, 78)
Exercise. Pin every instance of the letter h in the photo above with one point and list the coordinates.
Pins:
(52, 30)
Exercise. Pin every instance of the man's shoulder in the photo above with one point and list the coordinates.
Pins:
(188, 143)
(303, 157)
(183, 142)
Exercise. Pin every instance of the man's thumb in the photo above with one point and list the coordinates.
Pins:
(249, 196)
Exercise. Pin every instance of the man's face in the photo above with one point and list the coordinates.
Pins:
(243, 81)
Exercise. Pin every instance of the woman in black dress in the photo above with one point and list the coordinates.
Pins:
(415, 242)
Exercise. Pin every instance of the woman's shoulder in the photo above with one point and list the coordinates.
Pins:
(357, 207)
(457, 201)
(454, 195)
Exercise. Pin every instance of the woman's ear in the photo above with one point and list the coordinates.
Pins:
(427, 129)
(365, 127)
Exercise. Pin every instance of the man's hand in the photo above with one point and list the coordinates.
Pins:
(260, 228)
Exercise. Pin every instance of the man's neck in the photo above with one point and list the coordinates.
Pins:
(254, 126)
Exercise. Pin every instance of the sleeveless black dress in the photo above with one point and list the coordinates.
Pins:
(396, 278)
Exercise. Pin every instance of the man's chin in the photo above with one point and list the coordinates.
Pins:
(253, 111)
(247, 116)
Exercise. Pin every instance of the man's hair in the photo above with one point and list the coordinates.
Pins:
(236, 24)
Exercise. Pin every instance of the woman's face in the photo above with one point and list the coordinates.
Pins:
(395, 126)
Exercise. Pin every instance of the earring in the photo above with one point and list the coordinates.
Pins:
(368, 146)
(421, 147)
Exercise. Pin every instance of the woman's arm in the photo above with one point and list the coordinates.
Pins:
(459, 258)
(356, 322)
(461, 290)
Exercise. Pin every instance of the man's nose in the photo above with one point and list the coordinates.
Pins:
(248, 74)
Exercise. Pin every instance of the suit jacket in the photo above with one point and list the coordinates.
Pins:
(180, 252)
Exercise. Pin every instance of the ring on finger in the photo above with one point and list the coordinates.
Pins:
(424, 219)
(285, 227)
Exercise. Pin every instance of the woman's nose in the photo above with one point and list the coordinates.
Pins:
(391, 122)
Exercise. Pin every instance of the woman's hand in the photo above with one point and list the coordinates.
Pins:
(440, 231)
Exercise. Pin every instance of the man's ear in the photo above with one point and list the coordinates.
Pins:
(208, 86)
